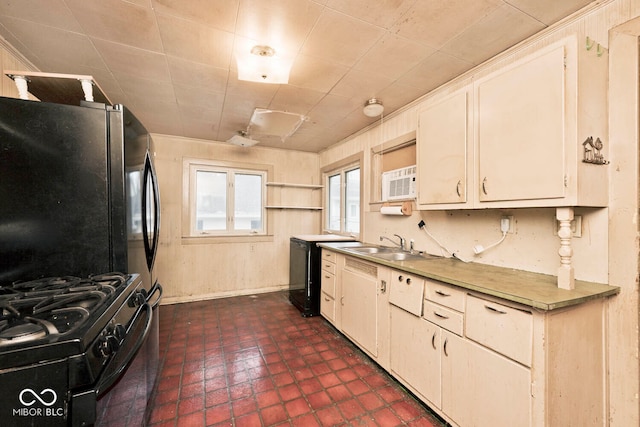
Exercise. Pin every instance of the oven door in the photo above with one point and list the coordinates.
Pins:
(121, 391)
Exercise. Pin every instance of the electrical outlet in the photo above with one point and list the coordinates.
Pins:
(576, 226)
(512, 223)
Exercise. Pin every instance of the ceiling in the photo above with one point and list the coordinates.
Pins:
(172, 61)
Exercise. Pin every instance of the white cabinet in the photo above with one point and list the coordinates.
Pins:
(474, 359)
(416, 354)
(364, 307)
(481, 387)
(443, 130)
(516, 137)
(328, 286)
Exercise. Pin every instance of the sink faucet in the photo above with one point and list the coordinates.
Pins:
(401, 244)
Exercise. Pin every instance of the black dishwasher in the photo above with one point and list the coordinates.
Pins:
(304, 271)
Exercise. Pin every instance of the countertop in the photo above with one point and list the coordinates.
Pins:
(536, 290)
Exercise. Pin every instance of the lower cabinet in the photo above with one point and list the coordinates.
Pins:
(476, 360)
(363, 306)
(416, 355)
(481, 387)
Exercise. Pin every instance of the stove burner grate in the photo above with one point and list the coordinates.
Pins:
(54, 306)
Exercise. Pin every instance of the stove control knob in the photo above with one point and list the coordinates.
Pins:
(106, 346)
(119, 331)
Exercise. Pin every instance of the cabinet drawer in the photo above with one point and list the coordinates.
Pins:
(329, 256)
(406, 292)
(327, 307)
(328, 284)
(445, 295)
(504, 329)
(445, 318)
(328, 267)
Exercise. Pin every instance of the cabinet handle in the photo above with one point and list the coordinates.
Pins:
(433, 341)
(442, 294)
(484, 186)
(408, 280)
(442, 316)
(383, 286)
(444, 347)
(494, 310)
(400, 278)
(327, 277)
(342, 300)
(327, 299)
(458, 192)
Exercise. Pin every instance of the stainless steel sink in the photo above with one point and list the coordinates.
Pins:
(399, 256)
(374, 249)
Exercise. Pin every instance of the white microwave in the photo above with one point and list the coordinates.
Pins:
(399, 184)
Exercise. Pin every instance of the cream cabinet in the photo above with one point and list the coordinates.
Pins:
(481, 361)
(442, 152)
(364, 306)
(520, 135)
(328, 286)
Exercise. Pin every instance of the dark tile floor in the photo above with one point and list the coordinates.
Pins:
(254, 361)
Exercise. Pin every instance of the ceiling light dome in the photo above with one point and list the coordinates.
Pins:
(373, 108)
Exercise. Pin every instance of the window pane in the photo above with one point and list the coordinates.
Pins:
(248, 202)
(211, 200)
(333, 214)
(352, 205)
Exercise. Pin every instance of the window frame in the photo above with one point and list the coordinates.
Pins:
(343, 167)
(189, 224)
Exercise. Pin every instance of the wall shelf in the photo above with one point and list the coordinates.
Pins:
(309, 208)
(284, 184)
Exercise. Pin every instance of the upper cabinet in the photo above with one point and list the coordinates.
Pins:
(442, 136)
(520, 130)
(528, 134)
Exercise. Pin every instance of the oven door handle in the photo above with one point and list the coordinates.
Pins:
(156, 288)
(113, 373)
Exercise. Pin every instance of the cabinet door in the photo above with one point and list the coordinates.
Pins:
(415, 353)
(480, 387)
(442, 151)
(520, 130)
(360, 309)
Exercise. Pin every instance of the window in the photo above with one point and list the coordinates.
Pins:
(343, 200)
(226, 200)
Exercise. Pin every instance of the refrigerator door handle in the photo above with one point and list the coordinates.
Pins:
(150, 242)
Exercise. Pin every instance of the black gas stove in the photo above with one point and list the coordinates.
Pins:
(64, 342)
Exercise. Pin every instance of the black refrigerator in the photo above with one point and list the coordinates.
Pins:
(78, 191)
(78, 196)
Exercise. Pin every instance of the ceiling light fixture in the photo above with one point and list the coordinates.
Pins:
(243, 139)
(262, 65)
(373, 108)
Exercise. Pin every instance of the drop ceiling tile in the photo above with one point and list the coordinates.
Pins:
(118, 21)
(496, 32)
(53, 13)
(548, 11)
(315, 73)
(133, 61)
(220, 14)
(393, 56)
(433, 22)
(361, 84)
(148, 92)
(281, 24)
(340, 38)
(331, 109)
(383, 13)
(204, 77)
(195, 42)
(52, 45)
(188, 96)
(434, 71)
(295, 100)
